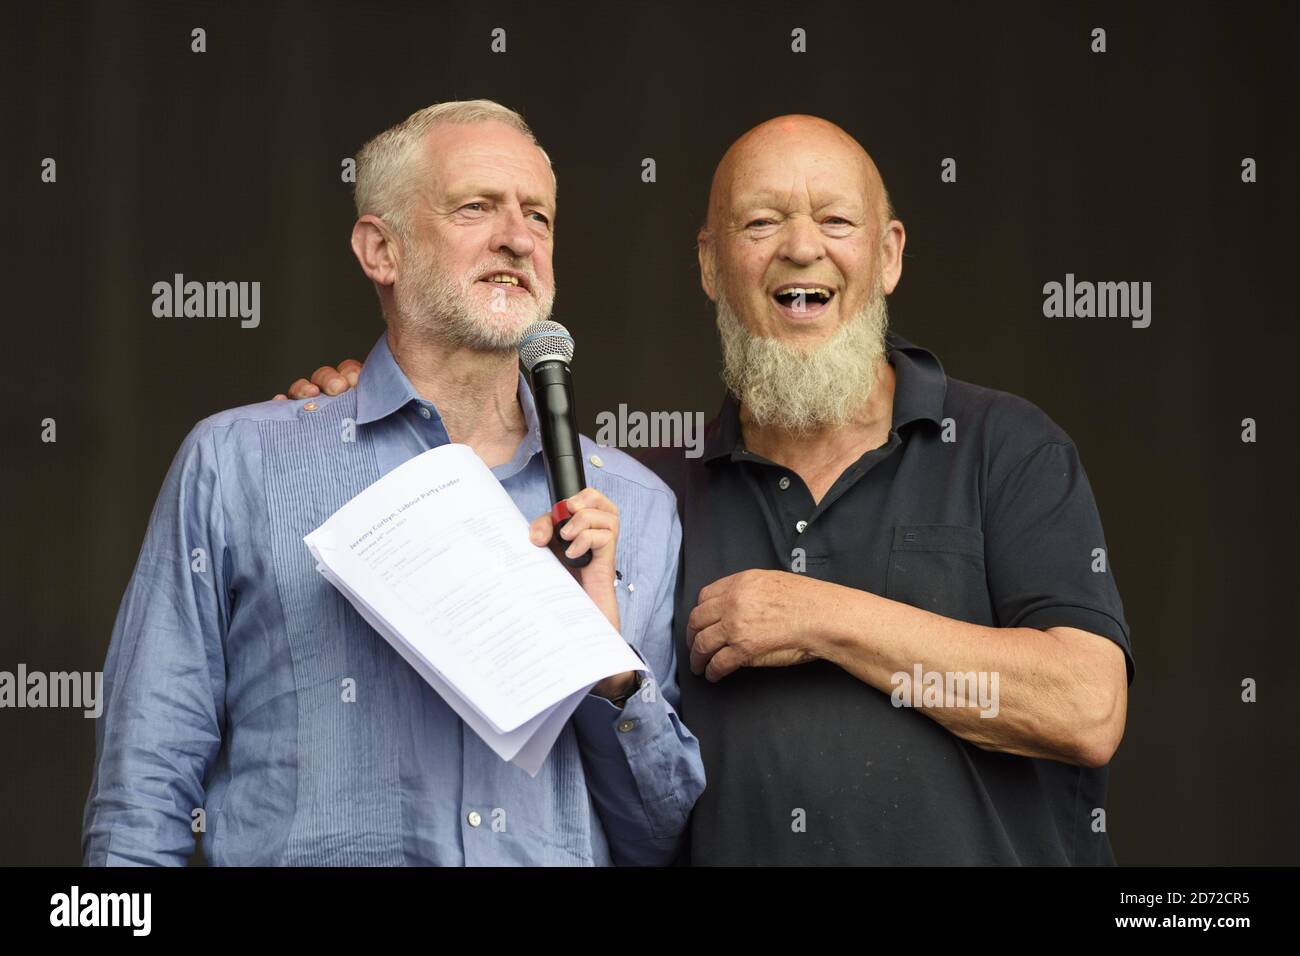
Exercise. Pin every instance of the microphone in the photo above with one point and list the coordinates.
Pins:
(546, 349)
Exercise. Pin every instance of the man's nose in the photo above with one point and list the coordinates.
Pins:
(801, 241)
(513, 237)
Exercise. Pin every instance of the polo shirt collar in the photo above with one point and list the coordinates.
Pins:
(920, 382)
(919, 389)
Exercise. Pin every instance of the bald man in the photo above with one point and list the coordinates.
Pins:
(898, 637)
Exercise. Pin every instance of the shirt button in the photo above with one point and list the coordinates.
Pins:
(625, 725)
(784, 483)
(595, 460)
(309, 407)
(474, 819)
(631, 587)
(424, 412)
(801, 526)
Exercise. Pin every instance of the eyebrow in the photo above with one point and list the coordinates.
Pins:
(769, 198)
(498, 195)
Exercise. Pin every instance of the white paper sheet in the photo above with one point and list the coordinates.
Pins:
(436, 557)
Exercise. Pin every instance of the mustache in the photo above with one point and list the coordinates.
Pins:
(502, 265)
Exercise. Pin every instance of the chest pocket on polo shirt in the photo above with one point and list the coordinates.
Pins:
(940, 568)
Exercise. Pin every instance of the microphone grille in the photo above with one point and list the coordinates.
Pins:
(545, 340)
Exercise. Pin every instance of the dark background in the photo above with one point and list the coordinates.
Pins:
(1117, 166)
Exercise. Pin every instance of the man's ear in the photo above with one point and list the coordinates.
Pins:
(891, 255)
(375, 246)
(705, 251)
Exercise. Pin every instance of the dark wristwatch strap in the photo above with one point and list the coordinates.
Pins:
(622, 699)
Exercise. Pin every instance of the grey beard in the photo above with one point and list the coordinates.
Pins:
(432, 306)
(798, 390)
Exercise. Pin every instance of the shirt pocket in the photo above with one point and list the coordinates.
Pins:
(940, 568)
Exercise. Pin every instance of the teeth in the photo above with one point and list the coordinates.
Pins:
(820, 293)
(510, 280)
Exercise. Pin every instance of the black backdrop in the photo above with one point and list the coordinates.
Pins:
(1123, 165)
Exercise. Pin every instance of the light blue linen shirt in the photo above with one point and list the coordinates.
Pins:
(227, 678)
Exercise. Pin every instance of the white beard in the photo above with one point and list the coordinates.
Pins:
(783, 386)
(432, 305)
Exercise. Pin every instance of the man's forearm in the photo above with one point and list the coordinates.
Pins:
(1055, 696)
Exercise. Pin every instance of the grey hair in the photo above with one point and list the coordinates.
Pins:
(388, 165)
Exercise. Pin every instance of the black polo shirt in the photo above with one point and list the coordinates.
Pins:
(976, 508)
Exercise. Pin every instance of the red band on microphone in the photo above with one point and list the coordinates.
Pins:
(560, 512)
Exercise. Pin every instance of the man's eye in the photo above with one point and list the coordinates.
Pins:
(476, 206)
(541, 217)
(837, 221)
(758, 223)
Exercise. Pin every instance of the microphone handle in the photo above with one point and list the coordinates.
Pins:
(561, 448)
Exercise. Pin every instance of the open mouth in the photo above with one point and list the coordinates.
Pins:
(800, 299)
(507, 281)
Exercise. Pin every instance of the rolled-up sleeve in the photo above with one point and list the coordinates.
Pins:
(1047, 561)
(164, 677)
(643, 765)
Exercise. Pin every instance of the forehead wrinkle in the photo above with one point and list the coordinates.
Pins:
(768, 135)
(435, 163)
(815, 198)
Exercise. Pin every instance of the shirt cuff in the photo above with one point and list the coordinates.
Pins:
(610, 729)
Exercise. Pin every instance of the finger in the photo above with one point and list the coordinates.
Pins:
(726, 661)
(703, 615)
(329, 380)
(717, 588)
(539, 532)
(589, 518)
(591, 498)
(351, 370)
(593, 539)
(280, 398)
(303, 389)
(705, 645)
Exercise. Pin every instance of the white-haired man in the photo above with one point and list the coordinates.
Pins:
(243, 691)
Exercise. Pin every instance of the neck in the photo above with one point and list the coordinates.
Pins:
(476, 393)
(872, 418)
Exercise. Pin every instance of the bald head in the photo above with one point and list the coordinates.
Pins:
(791, 148)
(800, 239)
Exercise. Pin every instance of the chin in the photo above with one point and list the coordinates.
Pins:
(806, 334)
(505, 327)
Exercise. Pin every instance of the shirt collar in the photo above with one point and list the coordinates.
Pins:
(383, 389)
(919, 389)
